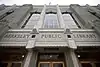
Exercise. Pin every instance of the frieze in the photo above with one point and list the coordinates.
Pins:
(16, 36)
(84, 36)
(51, 36)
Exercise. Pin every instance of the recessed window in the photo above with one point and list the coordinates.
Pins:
(33, 36)
(69, 21)
(32, 20)
(51, 21)
(69, 36)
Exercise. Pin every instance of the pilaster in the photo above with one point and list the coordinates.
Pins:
(31, 59)
(60, 18)
(40, 22)
(71, 59)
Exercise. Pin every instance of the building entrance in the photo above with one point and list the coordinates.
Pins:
(51, 60)
(51, 64)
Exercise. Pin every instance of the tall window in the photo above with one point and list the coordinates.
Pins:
(33, 21)
(68, 20)
(51, 21)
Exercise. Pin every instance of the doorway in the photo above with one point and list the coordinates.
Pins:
(51, 64)
(51, 60)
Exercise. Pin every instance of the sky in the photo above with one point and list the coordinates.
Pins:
(53, 2)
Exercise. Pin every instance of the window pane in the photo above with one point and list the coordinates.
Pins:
(86, 65)
(69, 22)
(44, 65)
(16, 65)
(51, 21)
(57, 65)
(32, 21)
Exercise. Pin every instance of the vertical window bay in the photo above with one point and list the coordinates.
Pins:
(51, 21)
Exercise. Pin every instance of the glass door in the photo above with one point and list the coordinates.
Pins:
(58, 64)
(51, 64)
(44, 64)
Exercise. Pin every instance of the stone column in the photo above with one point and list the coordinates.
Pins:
(31, 59)
(41, 21)
(60, 18)
(71, 59)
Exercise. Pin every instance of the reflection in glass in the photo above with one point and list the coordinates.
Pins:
(16, 65)
(32, 21)
(69, 21)
(51, 21)
(57, 65)
(44, 65)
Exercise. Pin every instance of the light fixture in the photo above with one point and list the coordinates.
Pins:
(22, 55)
(78, 55)
(50, 56)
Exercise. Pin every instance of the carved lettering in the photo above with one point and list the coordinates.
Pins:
(16, 36)
(84, 36)
(50, 36)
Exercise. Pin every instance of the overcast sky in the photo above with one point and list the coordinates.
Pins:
(53, 2)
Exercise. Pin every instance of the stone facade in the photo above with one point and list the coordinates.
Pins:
(32, 35)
